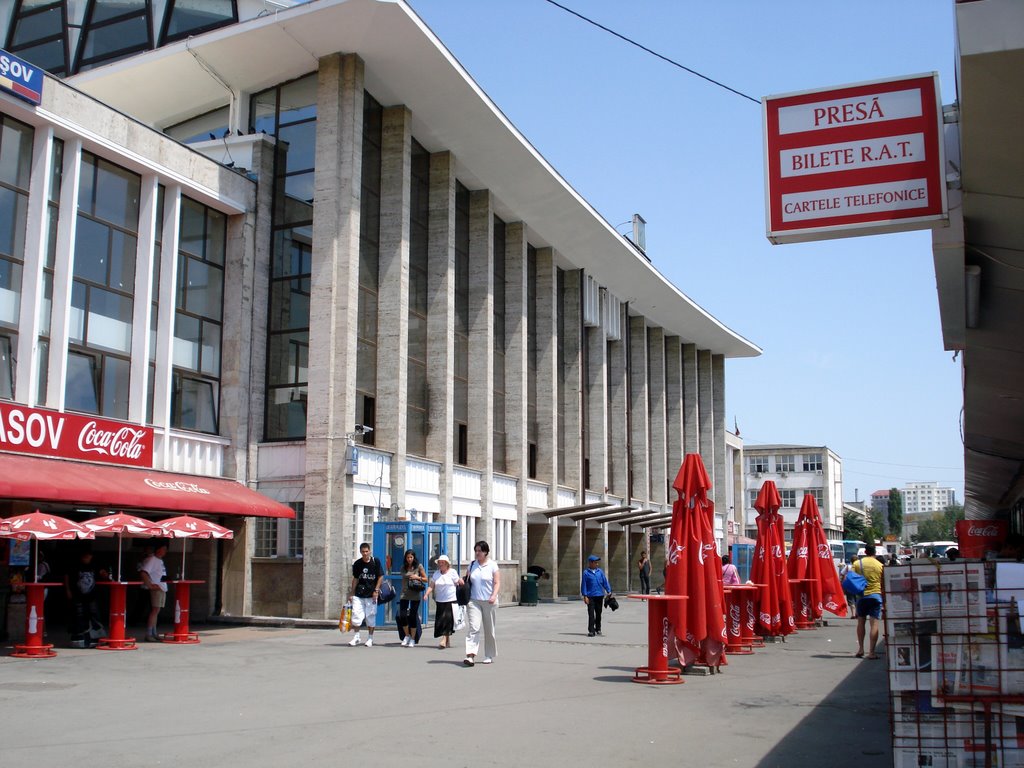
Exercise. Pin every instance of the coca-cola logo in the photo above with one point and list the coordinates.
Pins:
(824, 551)
(675, 550)
(666, 629)
(123, 443)
(734, 620)
(178, 485)
(989, 531)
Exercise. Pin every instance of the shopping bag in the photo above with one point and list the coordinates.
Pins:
(854, 583)
(345, 622)
(459, 612)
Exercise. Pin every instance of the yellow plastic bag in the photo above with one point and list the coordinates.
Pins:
(345, 622)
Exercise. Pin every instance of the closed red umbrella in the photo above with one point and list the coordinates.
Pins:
(188, 527)
(694, 569)
(768, 570)
(810, 559)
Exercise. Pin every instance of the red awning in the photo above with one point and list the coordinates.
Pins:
(98, 485)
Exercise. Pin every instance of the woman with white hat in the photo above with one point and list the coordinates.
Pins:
(442, 584)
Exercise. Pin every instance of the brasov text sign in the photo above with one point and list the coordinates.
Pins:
(854, 160)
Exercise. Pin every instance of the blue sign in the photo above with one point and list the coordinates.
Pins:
(20, 78)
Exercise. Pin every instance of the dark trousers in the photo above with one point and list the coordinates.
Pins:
(409, 616)
(595, 605)
(84, 611)
(645, 583)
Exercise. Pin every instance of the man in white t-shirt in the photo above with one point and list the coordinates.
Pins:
(153, 573)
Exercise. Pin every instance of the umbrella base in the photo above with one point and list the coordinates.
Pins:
(117, 644)
(740, 649)
(648, 676)
(180, 638)
(34, 652)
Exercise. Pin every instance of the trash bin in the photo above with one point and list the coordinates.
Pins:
(528, 589)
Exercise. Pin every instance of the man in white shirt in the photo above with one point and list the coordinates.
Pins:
(153, 572)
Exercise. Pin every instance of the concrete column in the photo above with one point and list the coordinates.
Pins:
(718, 417)
(258, 227)
(691, 425)
(639, 418)
(547, 372)
(393, 294)
(572, 386)
(165, 311)
(706, 415)
(656, 408)
(673, 406)
(597, 408)
(516, 339)
(60, 305)
(242, 404)
(441, 322)
(618, 407)
(142, 306)
(481, 351)
(333, 315)
(36, 235)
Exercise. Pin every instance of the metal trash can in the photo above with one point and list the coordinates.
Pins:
(528, 589)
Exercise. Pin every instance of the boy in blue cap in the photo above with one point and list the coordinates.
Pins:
(594, 586)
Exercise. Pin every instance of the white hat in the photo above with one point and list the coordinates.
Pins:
(443, 559)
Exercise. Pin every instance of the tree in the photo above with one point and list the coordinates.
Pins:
(941, 526)
(895, 511)
(854, 526)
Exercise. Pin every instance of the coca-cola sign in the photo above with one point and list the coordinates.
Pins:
(74, 436)
(976, 537)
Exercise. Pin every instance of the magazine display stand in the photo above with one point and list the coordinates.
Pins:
(955, 656)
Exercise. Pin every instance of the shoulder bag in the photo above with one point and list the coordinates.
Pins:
(853, 582)
(462, 592)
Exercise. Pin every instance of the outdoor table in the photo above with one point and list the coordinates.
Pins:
(34, 647)
(182, 598)
(738, 641)
(657, 671)
(118, 640)
(801, 595)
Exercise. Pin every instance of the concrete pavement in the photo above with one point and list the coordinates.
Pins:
(269, 696)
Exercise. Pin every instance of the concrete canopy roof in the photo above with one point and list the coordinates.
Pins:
(407, 64)
(989, 239)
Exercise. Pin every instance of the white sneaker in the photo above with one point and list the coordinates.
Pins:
(406, 641)
(354, 640)
(487, 660)
(412, 643)
(369, 642)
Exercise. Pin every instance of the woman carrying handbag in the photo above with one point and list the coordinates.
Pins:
(485, 585)
(443, 585)
(414, 583)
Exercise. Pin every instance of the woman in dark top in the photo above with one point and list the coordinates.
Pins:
(644, 566)
(414, 582)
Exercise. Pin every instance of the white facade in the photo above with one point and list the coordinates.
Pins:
(796, 470)
(926, 498)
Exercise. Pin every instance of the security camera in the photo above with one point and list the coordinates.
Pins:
(362, 429)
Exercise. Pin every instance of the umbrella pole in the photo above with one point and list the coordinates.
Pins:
(183, 558)
(119, 537)
(35, 569)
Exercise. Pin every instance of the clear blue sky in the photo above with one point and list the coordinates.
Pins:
(853, 354)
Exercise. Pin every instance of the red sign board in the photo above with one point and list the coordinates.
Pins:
(854, 160)
(976, 537)
(74, 436)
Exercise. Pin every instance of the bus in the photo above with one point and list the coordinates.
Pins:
(852, 548)
(932, 548)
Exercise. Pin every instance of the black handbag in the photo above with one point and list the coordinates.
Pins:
(462, 591)
(611, 602)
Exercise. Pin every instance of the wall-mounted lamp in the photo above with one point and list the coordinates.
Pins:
(972, 295)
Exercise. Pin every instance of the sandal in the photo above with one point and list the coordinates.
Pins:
(859, 654)
(871, 656)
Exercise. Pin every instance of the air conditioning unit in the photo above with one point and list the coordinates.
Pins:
(757, 474)
(818, 472)
(784, 474)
